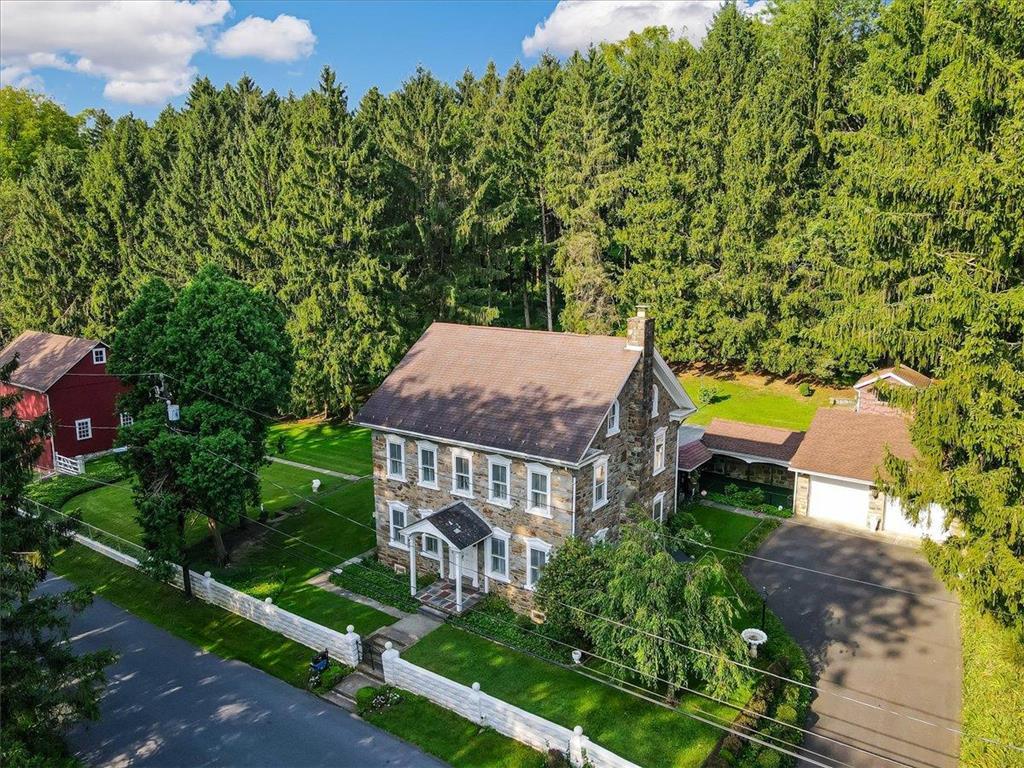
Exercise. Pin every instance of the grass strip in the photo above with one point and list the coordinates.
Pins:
(439, 732)
(206, 626)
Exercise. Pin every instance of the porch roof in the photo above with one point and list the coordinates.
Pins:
(457, 524)
(736, 438)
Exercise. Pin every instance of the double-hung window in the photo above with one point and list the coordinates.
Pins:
(396, 457)
(538, 484)
(499, 471)
(497, 555)
(600, 482)
(537, 553)
(659, 451)
(126, 419)
(462, 472)
(613, 419)
(658, 508)
(83, 429)
(397, 520)
(428, 464)
(99, 355)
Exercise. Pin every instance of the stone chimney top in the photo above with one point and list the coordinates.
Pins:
(640, 332)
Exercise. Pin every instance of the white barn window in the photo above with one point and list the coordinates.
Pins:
(126, 419)
(99, 355)
(83, 429)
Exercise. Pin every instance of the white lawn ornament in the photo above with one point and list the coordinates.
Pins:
(316, 486)
(577, 656)
(753, 638)
(173, 412)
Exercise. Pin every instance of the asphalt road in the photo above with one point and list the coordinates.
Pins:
(894, 651)
(169, 703)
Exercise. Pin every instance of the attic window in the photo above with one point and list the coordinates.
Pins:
(654, 401)
(613, 419)
(99, 355)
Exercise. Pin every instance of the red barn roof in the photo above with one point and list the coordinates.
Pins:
(44, 358)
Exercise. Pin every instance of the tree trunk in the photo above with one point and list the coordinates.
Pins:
(547, 259)
(218, 542)
(526, 292)
(186, 575)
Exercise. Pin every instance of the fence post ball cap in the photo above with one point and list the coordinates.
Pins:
(388, 645)
(578, 730)
(350, 629)
(476, 686)
(269, 601)
(207, 574)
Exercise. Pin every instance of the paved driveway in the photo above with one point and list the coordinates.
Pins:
(170, 704)
(895, 651)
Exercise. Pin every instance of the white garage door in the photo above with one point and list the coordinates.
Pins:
(930, 525)
(838, 501)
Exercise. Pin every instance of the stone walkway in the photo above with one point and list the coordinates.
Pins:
(321, 470)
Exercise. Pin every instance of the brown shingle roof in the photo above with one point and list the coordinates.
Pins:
(43, 358)
(849, 444)
(532, 392)
(692, 455)
(913, 378)
(752, 439)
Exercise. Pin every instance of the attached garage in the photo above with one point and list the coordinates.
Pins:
(835, 469)
(839, 501)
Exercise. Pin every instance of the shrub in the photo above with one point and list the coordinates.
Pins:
(494, 618)
(332, 676)
(769, 758)
(805, 389)
(557, 759)
(708, 394)
(372, 578)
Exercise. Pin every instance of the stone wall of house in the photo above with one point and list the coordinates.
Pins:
(631, 478)
(801, 495)
(514, 519)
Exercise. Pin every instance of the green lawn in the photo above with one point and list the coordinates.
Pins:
(211, 628)
(444, 734)
(277, 566)
(341, 447)
(632, 727)
(993, 691)
(745, 398)
(727, 529)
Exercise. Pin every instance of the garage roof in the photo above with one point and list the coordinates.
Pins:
(850, 444)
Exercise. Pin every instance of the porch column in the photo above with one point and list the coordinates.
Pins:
(412, 565)
(458, 582)
(442, 555)
(482, 565)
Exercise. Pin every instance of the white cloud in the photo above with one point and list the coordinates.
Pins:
(286, 38)
(143, 49)
(575, 24)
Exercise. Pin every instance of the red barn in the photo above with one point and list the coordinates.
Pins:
(65, 377)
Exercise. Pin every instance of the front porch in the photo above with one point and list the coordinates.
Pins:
(441, 596)
(453, 538)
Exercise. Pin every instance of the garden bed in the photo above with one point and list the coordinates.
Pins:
(373, 579)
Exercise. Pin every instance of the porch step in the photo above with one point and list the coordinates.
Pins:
(434, 613)
(344, 693)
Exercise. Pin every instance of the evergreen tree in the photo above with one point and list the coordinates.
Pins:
(116, 187)
(178, 227)
(46, 687)
(244, 208)
(49, 280)
(583, 176)
(341, 276)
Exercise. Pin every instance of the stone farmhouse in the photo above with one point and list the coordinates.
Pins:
(492, 446)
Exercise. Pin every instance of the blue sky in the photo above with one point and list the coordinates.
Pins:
(139, 56)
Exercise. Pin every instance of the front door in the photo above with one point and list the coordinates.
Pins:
(470, 569)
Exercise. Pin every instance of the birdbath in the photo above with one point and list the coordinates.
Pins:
(753, 638)
(577, 656)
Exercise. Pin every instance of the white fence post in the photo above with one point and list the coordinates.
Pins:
(577, 746)
(351, 644)
(477, 700)
(387, 660)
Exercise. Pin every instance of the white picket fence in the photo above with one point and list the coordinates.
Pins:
(487, 711)
(344, 648)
